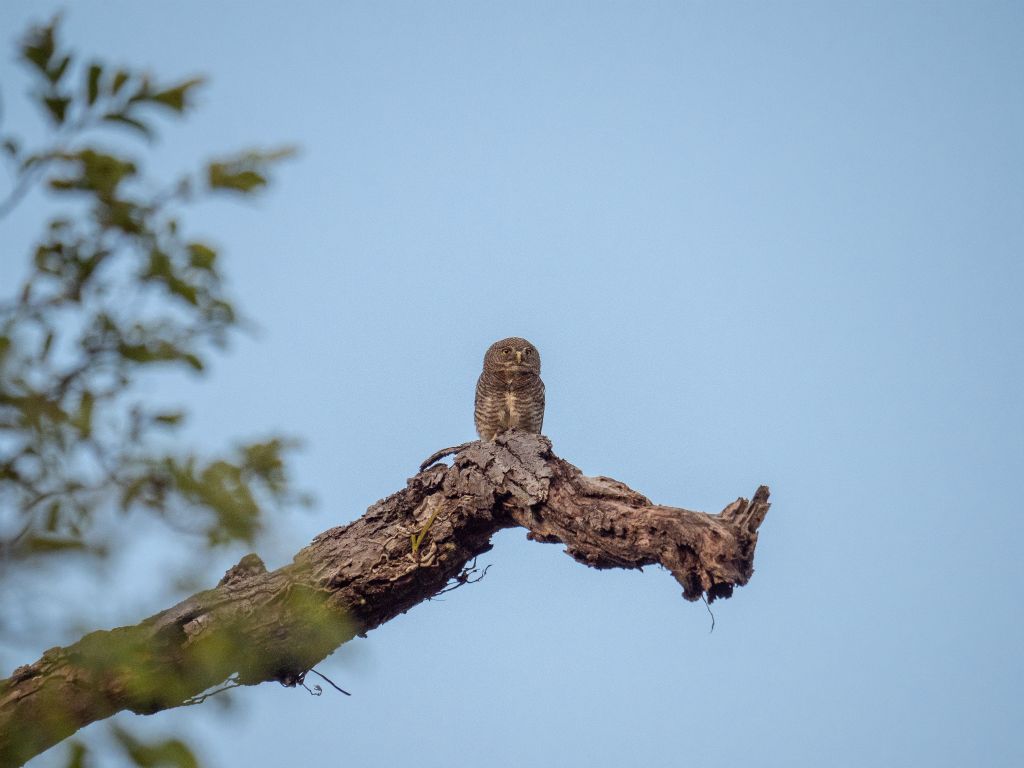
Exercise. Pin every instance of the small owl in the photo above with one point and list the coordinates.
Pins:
(509, 392)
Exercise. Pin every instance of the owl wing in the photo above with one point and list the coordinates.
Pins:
(487, 410)
(538, 409)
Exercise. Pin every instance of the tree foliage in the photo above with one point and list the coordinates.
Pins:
(115, 288)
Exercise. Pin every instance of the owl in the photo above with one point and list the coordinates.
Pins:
(509, 392)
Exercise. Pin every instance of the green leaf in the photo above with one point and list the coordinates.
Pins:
(201, 256)
(36, 409)
(98, 172)
(83, 419)
(10, 146)
(223, 176)
(176, 98)
(264, 459)
(129, 122)
(169, 753)
(138, 353)
(185, 290)
(39, 46)
(169, 419)
(119, 80)
(124, 215)
(158, 352)
(93, 83)
(56, 73)
(104, 172)
(57, 106)
(39, 545)
(76, 755)
(245, 173)
(221, 312)
(159, 266)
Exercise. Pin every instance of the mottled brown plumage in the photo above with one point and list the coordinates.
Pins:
(509, 392)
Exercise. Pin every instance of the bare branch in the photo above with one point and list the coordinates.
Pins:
(258, 626)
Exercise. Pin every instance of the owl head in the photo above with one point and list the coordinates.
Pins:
(512, 355)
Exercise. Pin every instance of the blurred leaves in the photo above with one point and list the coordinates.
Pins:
(229, 491)
(77, 753)
(167, 753)
(115, 288)
(94, 172)
(40, 50)
(118, 97)
(175, 97)
(116, 291)
(247, 172)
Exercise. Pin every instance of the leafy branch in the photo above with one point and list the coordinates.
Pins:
(115, 288)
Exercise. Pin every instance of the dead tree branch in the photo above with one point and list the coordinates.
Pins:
(257, 626)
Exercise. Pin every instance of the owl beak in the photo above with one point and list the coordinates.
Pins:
(519, 357)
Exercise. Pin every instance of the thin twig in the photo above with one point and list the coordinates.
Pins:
(200, 699)
(710, 613)
(465, 577)
(333, 684)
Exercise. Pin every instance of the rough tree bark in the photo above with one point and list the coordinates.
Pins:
(258, 626)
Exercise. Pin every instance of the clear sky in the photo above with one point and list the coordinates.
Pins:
(754, 242)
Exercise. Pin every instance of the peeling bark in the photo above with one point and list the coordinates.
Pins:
(257, 626)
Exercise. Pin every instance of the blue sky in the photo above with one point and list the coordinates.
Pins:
(754, 242)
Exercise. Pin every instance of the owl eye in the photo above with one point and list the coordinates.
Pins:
(506, 351)
(526, 353)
